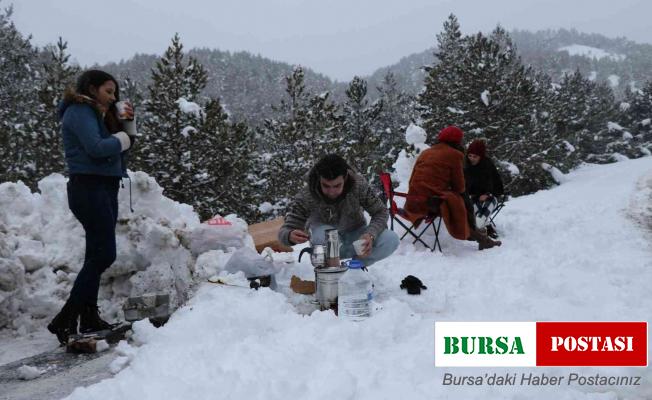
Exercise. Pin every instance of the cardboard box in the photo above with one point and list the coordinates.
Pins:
(265, 234)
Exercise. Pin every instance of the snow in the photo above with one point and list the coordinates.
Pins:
(624, 106)
(613, 126)
(614, 80)
(189, 107)
(187, 131)
(485, 97)
(511, 168)
(646, 122)
(593, 75)
(569, 147)
(266, 207)
(415, 135)
(27, 372)
(590, 52)
(619, 157)
(556, 174)
(101, 346)
(557, 263)
(456, 110)
(41, 250)
(627, 136)
(15, 346)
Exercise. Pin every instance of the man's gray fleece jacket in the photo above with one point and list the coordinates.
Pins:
(309, 207)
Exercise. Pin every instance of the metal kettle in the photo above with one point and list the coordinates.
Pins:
(317, 255)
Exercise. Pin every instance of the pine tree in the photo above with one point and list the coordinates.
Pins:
(196, 154)
(397, 113)
(635, 114)
(223, 158)
(439, 101)
(17, 99)
(361, 138)
(170, 120)
(583, 109)
(131, 91)
(47, 144)
(305, 130)
(481, 86)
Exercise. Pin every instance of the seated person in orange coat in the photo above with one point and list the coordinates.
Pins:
(439, 172)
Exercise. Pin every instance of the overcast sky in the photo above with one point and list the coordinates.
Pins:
(340, 38)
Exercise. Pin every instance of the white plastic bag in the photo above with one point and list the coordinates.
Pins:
(251, 264)
(218, 234)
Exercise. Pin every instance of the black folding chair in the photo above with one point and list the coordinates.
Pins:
(398, 214)
(501, 203)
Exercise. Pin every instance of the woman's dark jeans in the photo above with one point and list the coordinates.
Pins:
(94, 202)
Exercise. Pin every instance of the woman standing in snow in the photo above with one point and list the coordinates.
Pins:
(483, 184)
(95, 140)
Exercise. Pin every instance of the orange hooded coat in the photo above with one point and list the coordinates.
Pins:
(439, 171)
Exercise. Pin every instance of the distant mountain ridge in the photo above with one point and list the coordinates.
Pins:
(620, 62)
(249, 85)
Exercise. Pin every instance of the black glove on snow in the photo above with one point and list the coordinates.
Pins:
(412, 284)
(260, 281)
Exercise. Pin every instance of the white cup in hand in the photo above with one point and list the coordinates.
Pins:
(121, 107)
(359, 246)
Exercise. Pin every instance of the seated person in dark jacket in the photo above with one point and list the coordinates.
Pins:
(483, 184)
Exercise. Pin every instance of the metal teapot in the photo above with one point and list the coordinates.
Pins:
(317, 255)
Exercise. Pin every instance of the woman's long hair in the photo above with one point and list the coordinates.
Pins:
(96, 78)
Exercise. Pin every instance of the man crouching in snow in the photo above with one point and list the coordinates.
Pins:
(335, 197)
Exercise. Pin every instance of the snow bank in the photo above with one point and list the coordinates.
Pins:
(42, 249)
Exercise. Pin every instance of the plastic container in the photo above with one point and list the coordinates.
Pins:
(354, 293)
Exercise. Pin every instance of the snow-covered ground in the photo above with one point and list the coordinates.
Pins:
(15, 347)
(580, 251)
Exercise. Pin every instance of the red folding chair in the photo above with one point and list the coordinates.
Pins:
(395, 212)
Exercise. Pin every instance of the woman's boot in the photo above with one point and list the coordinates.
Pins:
(483, 240)
(90, 320)
(65, 323)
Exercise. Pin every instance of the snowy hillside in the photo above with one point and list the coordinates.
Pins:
(578, 252)
(590, 52)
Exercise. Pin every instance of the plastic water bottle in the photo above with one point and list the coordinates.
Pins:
(354, 292)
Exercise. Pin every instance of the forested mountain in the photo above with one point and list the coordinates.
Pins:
(249, 84)
(236, 133)
(619, 62)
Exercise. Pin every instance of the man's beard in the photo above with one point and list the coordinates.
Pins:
(329, 200)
